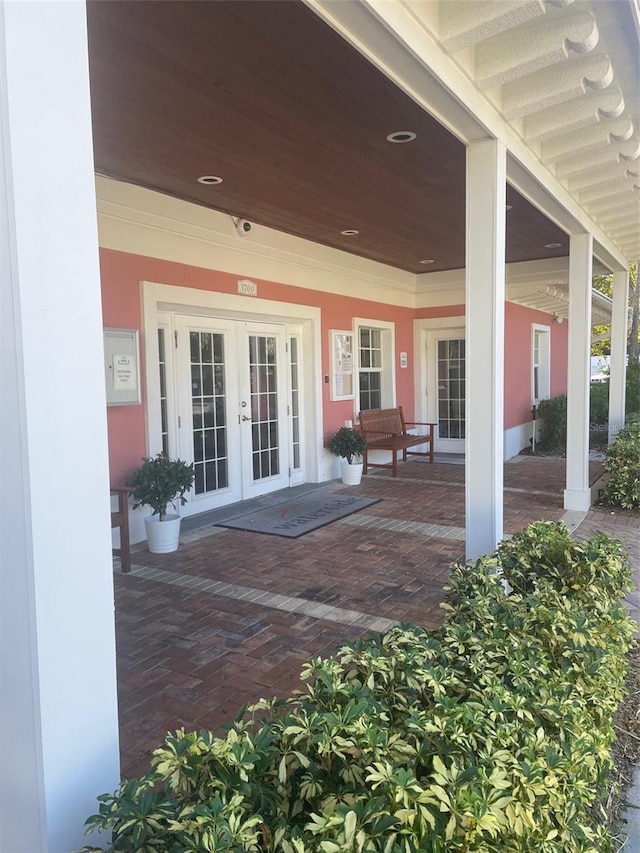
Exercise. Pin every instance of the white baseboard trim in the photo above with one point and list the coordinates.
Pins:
(516, 439)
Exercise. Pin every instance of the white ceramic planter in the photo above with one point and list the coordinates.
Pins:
(351, 474)
(162, 536)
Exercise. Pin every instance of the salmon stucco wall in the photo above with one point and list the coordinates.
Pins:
(122, 273)
(518, 347)
(517, 369)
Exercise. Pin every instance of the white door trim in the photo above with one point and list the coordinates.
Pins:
(159, 298)
(421, 380)
(432, 339)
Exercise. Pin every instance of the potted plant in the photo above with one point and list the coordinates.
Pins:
(349, 445)
(158, 482)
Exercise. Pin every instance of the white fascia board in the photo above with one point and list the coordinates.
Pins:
(144, 222)
(395, 39)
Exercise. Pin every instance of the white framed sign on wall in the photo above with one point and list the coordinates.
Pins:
(341, 347)
(121, 367)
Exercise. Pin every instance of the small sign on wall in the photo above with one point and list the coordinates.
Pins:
(121, 364)
(247, 288)
(403, 359)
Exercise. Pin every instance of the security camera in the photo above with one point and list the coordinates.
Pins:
(243, 227)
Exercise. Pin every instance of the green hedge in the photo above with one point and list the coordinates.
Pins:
(492, 733)
(553, 412)
(622, 463)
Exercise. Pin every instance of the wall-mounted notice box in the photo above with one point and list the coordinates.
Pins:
(341, 348)
(122, 367)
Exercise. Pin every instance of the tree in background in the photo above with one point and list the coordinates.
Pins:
(604, 283)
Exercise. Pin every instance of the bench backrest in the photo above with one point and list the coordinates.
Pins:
(385, 422)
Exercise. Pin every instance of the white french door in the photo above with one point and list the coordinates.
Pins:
(446, 388)
(232, 419)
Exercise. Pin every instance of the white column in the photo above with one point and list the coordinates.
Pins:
(58, 727)
(485, 261)
(618, 364)
(577, 495)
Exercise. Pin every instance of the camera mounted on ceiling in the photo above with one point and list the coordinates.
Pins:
(243, 226)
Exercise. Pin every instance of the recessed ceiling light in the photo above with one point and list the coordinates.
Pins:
(427, 261)
(209, 179)
(401, 136)
(552, 245)
(349, 232)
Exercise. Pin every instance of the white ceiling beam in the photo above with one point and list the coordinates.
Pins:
(605, 191)
(570, 145)
(624, 152)
(615, 201)
(617, 217)
(511, 55)
(579, 114)
(604, 174)
(555, 85)
(466, 22)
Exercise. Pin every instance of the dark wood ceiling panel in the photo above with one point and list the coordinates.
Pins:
(268, 97)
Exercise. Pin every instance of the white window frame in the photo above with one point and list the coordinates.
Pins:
(388, 372)
(543, 334)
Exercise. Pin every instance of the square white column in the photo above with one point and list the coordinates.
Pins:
(485, 291)
(618, 363)
(59, 726)
(577, 495)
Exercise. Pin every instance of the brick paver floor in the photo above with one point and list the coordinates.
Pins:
(232, 615)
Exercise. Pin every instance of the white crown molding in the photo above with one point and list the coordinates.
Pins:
(143, 222)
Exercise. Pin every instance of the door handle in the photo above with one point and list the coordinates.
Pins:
(245, 418)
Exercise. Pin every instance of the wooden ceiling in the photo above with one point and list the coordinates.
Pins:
(266, 96)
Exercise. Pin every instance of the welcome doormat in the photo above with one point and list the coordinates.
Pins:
(300, 515)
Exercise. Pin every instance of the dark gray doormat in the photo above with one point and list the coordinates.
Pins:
(299, 516)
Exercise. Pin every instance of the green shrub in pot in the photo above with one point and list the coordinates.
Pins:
(160, 481)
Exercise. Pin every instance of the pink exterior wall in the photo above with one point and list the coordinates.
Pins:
(517, 369)
(518, 346)
(121, 276)
(123, 272)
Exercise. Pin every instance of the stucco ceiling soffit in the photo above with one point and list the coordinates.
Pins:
(616, 217)
(625, 233)
(603, 174)
(527, 49)
(623, 152)
(570, 145)
(605, 191)
(467, 22)
(577, 115)
(555, 85)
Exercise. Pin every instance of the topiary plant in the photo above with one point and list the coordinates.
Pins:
(160, 481)
(348, 443)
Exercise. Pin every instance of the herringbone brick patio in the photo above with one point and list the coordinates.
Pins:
(232, 615)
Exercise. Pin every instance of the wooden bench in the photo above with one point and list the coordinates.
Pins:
(120, 519)
(386, 429)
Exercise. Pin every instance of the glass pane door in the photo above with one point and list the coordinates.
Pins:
(209, 411)
(451, 389)
(446, 388)
(208, 429)
(263, 409)
(232, 424)
(263, 383)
